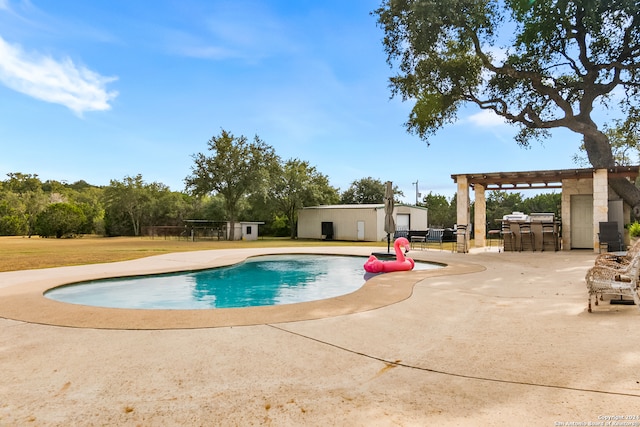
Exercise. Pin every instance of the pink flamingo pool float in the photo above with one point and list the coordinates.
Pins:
(402, 263)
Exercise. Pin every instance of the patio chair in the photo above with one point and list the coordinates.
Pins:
(417, 236)
(623, 281)
(435, 236)
(617, 260)
(610, 236)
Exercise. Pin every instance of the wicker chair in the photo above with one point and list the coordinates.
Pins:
(622, 280)
(615, 260)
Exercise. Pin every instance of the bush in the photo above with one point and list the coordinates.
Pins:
(13, 225)
(634, 229)
(60, 219)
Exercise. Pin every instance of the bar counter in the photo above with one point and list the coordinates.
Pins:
(513, 241)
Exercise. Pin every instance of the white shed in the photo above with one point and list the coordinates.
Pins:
(245, 230)
(356, 222)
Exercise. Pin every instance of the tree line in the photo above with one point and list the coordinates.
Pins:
(235, 180)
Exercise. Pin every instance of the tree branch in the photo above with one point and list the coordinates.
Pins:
(536, 79)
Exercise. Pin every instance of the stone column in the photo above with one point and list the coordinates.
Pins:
(463, 216)
(600, 203)
(480, 217)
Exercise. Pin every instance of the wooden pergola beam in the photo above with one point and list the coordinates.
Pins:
(533, 180)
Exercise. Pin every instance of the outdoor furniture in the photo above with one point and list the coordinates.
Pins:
(619, 259)
(610, 237)
(449, 236)
(550, 235)
(494, 235)
(507, 236)
(602, 279)
(526, 234)
(401, 233)
(461, 230)
(435, 235)
(418, 236)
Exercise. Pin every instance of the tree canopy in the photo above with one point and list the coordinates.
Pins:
(59, 220)
(540, 64)
(441, 213)
(297, 185)
(235, 169)
(367, 190)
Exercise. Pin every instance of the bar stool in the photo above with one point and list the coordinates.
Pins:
(494, 235)
(526, 232)
(461, 230)
(549, 232)
(507, 236)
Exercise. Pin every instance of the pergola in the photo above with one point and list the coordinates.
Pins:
(536, 180)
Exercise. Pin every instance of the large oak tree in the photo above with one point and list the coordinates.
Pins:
(235, 168)
(540, 64)
(296, 185)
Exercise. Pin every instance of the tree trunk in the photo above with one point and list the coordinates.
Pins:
(232, 229)
(293, 223)
(135, 223)
(628, 192)
(600, 156)
(598, 148)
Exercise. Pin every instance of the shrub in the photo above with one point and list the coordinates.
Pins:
(634, 229)
(60, 219)
(13, 225)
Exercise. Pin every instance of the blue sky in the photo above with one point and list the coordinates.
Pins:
(103, 89)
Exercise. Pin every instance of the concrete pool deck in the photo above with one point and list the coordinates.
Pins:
(493, 338)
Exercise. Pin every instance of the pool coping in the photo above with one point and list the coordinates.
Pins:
(22, 292)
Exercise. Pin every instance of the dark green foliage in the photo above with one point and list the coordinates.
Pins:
(547, 202)
(234, 169)
(541, 65)
(500, 203)
(13, 219)
(132, 204)
(60, 220)
(296, 185)
(441, 213)
(366, 190)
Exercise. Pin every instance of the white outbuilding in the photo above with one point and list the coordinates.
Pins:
(357, 222)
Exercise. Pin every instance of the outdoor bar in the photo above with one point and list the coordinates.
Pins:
(533, 232)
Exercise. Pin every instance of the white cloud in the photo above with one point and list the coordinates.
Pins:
(58, 82)
(486, 119)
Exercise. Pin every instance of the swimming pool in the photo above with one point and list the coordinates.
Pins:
(258, 281)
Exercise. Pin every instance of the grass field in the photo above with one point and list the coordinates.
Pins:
(22, 253)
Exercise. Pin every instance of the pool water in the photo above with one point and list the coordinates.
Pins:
(259, 281)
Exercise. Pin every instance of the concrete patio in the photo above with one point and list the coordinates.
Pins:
(493, 338)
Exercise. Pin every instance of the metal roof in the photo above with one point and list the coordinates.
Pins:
(361, 206)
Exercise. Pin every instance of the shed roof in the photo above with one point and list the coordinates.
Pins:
(351, 206)
(360, 206)
(540, 179)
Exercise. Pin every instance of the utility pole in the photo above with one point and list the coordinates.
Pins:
(417, 193)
